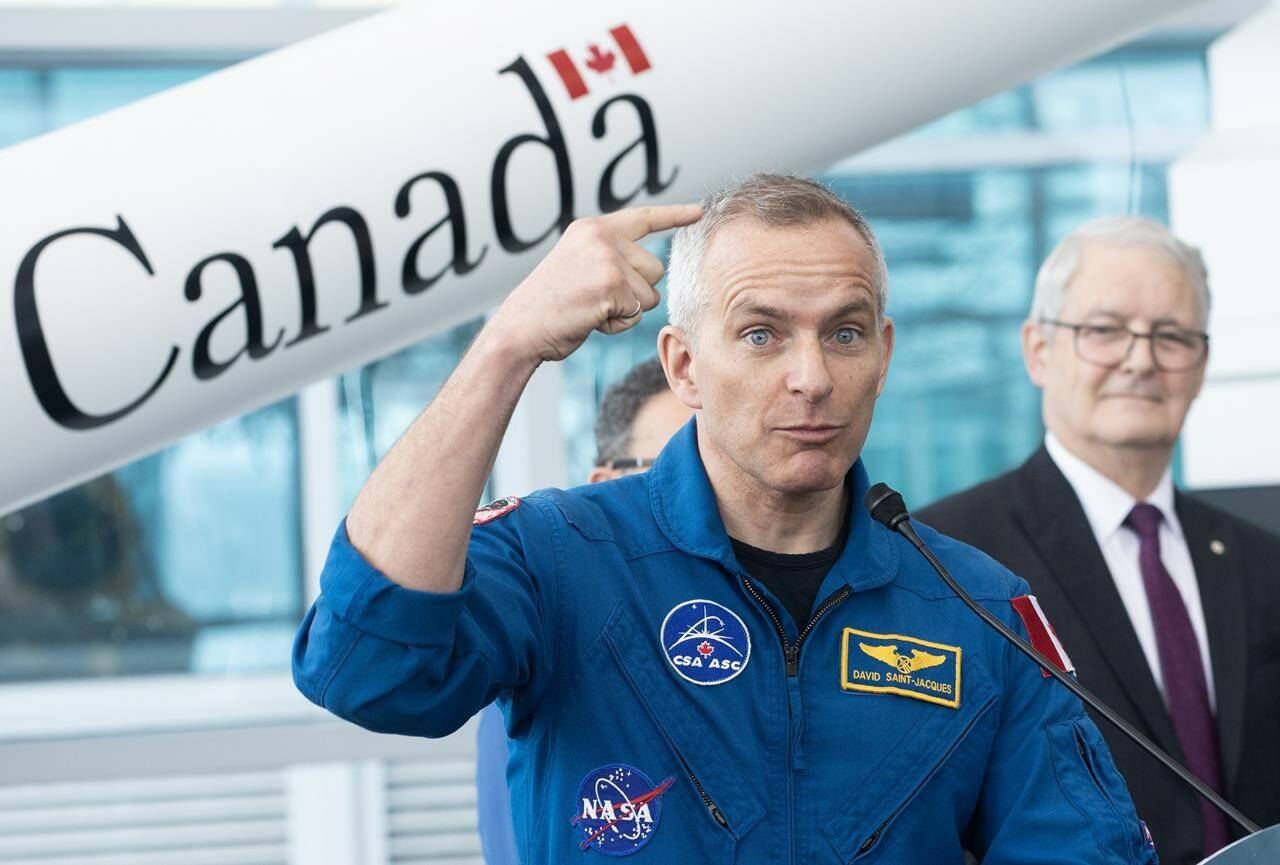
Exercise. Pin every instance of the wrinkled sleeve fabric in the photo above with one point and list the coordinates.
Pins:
(398, 660)
(1051, 793)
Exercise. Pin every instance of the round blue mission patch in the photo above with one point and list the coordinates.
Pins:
(705, 642)
(618, 809)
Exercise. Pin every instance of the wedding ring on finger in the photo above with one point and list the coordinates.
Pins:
(634, 312)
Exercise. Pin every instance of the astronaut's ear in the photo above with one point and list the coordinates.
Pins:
(675, 350)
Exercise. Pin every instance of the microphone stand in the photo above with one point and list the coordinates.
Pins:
(888, 508)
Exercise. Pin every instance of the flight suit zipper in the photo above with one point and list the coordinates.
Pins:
(791, 654)
(791, 651)
(712, 808)
(825, 607)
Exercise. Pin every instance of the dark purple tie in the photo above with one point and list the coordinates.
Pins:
(1184, 683)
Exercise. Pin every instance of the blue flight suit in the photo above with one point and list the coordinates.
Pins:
(656, 709)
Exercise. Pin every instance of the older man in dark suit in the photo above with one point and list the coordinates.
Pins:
(1169, 608)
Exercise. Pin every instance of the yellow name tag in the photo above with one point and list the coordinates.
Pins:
(896, 664)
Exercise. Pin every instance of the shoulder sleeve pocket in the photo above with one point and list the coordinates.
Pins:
(1091, 784)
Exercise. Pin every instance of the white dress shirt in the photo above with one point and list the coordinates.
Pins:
(1106, 505)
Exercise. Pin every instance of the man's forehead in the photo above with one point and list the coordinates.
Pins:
(750, 263)
(1125, 280)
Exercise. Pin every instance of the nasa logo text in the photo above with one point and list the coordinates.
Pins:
(618, 809)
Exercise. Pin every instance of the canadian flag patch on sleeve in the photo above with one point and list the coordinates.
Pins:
(1042, 635)
(495, 509)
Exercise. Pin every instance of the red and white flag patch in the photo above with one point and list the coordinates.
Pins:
(600, 60)
(1043, 638)
(495, 509)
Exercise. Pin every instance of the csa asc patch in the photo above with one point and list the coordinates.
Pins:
(620, 809)
(894, 664)
(705, 642)
(495, 509)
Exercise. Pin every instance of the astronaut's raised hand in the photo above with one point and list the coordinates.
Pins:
(597, 277)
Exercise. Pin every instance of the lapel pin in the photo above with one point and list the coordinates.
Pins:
(1218, 547)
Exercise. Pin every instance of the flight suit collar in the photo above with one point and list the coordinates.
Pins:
(685, 509)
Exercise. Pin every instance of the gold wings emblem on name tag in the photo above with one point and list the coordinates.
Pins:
(889, 655)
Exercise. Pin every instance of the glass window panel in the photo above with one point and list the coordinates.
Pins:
(23, 112)
(1151, 89)
(187, 560)
(1165, 88)
(81, 92)
(378, 401)
(1003, 112)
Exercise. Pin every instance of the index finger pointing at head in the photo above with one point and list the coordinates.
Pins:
(636, 222)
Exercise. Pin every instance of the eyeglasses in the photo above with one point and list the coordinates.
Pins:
(1173, 349)
(626, 463)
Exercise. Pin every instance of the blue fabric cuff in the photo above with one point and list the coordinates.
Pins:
(363, 597)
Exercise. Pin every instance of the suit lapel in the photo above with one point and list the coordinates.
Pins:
(1054, 520)
(1215, 555)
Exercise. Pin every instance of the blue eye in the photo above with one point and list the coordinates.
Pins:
(759, 337)
(846, 335)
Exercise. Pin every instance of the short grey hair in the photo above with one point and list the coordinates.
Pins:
(1060, 267)
(619, 408)
(777, 200)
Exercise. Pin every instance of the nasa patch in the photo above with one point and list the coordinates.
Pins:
(495, 509)
(620, 809)
(705, 642)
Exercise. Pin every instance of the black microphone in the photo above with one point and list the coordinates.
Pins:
(888, 509)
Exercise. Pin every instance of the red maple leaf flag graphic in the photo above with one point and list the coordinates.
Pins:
(705, 648)
(568, 73)
(599, 61)
(631, 49)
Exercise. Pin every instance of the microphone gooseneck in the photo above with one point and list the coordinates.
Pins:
(888, 508)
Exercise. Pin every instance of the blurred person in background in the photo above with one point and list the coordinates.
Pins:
(1169, 608)
(637, 417)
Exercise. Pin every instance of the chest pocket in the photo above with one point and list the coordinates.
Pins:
(720, 785)
(857, 827)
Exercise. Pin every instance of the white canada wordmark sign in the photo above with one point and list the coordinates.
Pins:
(213, 248)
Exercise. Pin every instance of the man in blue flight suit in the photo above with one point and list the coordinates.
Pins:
(722, 659)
